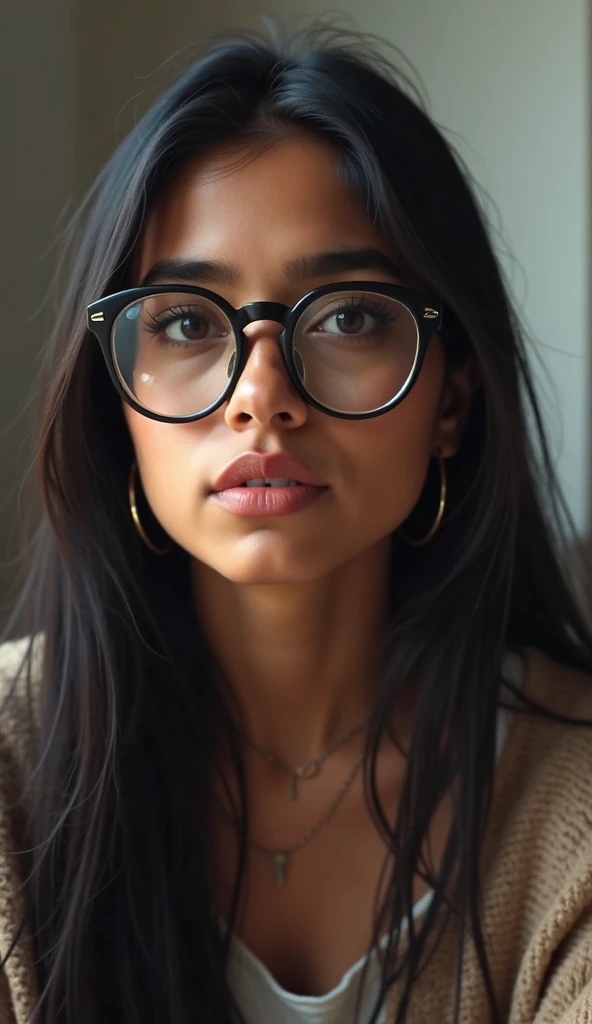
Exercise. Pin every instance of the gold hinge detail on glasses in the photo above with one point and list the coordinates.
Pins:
(429, 313)
(97, 316)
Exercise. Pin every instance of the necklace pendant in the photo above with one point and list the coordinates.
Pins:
(308, 771)
(280, 863)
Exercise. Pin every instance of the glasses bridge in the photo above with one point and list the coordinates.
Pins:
(253, 311)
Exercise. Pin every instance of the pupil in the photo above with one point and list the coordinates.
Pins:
(350, 322)
(193, 327)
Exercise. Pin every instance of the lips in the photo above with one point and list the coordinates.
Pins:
(257, 466)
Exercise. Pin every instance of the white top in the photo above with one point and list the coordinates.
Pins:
(263, 1001)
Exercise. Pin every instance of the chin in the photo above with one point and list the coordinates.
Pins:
(257, 573)
(258, 561)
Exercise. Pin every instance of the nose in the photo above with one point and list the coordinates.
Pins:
(264, 394)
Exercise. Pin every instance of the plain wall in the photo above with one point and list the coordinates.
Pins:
(37, 175)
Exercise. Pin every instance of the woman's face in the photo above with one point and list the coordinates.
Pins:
(256, 219)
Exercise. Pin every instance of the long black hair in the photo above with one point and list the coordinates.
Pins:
(118, 897)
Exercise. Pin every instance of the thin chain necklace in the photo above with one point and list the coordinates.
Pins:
(280, 859)
(310, 769)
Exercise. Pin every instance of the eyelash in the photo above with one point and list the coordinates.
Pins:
(361, 305)
(168, 317)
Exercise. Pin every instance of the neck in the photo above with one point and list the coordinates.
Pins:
(301, 659)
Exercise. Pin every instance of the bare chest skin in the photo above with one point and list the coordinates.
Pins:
(312, 929)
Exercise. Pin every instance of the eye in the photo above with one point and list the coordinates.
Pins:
(357, 319)
(190, 328)
(349, 321)
(184, 326)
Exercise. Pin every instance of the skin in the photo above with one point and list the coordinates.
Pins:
(294, 606)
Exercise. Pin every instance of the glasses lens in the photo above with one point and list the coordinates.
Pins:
(355, 351)
(174, 352)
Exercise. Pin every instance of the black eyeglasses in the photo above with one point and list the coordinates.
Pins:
(352, 350)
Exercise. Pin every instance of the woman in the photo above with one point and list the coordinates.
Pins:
(298, 735)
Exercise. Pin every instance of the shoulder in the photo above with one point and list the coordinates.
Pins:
(540, 828)
(20, 677)
(20, 674)
(20, 660)
(553, 732)
(538, 850)
(564, 689)
(543, 787)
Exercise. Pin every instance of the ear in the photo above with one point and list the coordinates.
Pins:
(457, 396)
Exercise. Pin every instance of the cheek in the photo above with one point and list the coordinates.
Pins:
(391, 453)
(164, 453)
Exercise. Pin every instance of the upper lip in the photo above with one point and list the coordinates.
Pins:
(258, 466)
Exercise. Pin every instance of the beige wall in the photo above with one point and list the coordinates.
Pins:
(36, 179)
(508, 79)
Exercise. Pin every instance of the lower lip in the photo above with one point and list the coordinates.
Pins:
(267, 501)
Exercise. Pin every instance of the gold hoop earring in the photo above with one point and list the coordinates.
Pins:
(441, 508)
(135, 515)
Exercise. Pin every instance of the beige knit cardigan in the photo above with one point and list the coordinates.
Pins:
(536, 868)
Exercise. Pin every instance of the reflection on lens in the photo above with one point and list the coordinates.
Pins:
(172, 352)
(355, 351)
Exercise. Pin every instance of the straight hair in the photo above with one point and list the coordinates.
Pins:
(118, 899)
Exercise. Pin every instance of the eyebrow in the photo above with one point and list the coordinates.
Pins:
(300, 268)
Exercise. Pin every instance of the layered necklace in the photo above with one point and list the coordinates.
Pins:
(309, 769)
(280, 858)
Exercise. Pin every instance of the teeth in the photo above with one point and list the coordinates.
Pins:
(272, 482)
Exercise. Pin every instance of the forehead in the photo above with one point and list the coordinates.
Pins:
(258, 211)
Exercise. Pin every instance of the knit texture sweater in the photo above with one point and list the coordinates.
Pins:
(536, 867)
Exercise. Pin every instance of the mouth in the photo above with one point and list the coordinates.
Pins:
(256, 485)
(272, 483)
(269, 471)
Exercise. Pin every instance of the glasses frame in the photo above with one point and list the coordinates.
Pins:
(426, 310)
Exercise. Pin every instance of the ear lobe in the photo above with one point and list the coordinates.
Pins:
(457, 396)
